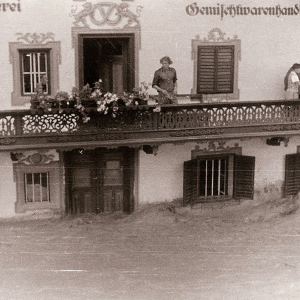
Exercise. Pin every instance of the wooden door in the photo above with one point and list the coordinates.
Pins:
(99, 181)
(113, 183)
(108, 58)
(81, 182)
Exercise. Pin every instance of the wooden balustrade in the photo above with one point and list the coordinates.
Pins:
(187, 116)
(20, 129)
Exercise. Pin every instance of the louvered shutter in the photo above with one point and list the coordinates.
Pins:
(244, 167)
(215, 72)
(190, 182)
(292, 174)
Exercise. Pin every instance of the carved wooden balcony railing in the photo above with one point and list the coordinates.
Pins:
(23, 129)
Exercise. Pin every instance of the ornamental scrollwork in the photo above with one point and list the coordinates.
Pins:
(212, 147)
(282, 127)
(110, 14)
(81, 138)
(34, 38)
(216, 35)
(197, 132)
(37, 158)
(7, 141)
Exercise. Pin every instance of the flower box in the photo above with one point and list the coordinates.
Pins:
(89, 100)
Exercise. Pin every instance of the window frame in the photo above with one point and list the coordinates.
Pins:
(16, 49)
(77, 43)
(204, 65)
(40, 192)
(54, 184)
(47, 72)
(213, 42)
(236, 187)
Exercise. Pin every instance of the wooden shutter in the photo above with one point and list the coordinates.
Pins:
(215, 72)
(292, 174)
(190, 182)
(244, 167)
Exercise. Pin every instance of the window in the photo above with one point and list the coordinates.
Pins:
(34, 69)
(216, 66)
(214, 178)
(32, 63)
(37, 187)
(215, 69)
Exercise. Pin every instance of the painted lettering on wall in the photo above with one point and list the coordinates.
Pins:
(11, 7)
(239, 10)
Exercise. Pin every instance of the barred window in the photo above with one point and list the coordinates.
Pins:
(214, 178)
(37, 187)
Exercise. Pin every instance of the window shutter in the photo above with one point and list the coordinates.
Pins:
(292, 174)
(206, 69)
(215, 72)
(190, 180)
(225, 69)
(244, 167)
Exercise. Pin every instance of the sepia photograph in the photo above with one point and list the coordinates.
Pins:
(150, 150)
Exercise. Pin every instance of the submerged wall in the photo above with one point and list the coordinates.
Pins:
(161, 176)
(7, 186)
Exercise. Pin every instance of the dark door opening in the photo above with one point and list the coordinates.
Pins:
(99, 181)
(109, 58)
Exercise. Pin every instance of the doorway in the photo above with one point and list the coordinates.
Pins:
(100, 181)
(109, 58)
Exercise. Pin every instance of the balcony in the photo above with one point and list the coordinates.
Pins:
(140, 125)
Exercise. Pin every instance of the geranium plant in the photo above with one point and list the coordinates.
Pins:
(89, 99)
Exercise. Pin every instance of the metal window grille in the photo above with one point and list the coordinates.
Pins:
(37, 187)
(213, 177)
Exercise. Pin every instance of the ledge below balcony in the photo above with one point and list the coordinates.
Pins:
(139, 125)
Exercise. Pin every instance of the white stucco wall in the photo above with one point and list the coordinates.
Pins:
(269, 45)
(7, 186)
(161, 176)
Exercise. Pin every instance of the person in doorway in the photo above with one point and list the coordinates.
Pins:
(165, 82)
(291, 82)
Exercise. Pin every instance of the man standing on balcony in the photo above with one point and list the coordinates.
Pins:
(165, 82)
(291, 83)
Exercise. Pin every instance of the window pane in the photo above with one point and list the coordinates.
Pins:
(43, 61)
(36, 187)
(27, 83)
(26, 62)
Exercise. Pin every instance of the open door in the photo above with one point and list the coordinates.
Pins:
(109, 58)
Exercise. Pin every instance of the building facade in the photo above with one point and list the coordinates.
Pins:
(232, 134)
